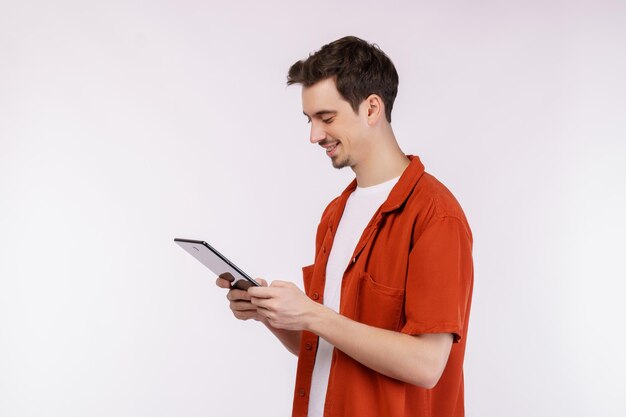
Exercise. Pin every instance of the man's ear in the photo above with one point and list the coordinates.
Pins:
(375, 109)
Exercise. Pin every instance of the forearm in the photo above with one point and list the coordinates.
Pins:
(289, 338)
(418, 360)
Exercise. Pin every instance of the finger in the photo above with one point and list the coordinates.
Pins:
(222, 283)
(244, 315)
(261, 292)
(227, 276)
(262, 303)
(235, 294)
(242, 306)
(261, 281)
(275, 323)
(283, 284)
(263, 312)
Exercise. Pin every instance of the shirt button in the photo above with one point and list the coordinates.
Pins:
(324, 249)
(308, 346)
(301, 392)
(354, 259)
(316, 296)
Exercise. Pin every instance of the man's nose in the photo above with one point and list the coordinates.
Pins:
(317, 133)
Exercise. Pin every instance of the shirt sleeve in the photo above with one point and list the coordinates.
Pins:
(439, 280)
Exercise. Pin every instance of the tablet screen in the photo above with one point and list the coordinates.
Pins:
(216, 262)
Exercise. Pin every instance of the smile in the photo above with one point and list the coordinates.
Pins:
(331, 150)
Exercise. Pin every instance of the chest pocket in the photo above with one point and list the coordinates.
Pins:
(378, 305)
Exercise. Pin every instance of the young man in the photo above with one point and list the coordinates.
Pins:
(382, 326)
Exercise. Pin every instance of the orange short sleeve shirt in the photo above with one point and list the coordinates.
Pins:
(411, 272)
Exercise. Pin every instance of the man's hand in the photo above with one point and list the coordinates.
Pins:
(240, 303)
(284, 305)
(244, 309)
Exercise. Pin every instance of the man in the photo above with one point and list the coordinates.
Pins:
(382, 326)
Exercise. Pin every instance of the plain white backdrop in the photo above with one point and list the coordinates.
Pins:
(125, 124)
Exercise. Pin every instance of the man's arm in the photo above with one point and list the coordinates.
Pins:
(289, 338)
(243, 309)
(418, 360)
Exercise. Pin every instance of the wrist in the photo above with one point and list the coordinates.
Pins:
(319, 317)
(264, 321)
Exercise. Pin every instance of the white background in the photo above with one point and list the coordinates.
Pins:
(124, 124)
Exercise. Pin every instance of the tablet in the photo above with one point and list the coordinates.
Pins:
(217, 263)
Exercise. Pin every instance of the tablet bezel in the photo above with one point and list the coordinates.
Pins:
(241, 281)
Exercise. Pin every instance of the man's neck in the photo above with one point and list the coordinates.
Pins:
(383, 163)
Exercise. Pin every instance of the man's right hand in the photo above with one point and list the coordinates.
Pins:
(239, 300)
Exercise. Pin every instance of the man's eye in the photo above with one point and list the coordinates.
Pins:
(329, 120)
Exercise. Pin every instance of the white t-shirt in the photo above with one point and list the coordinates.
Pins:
(360, 208)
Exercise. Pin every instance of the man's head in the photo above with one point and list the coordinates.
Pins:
(358, 68)
(349, 87)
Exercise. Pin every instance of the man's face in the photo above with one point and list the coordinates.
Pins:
(334, 124)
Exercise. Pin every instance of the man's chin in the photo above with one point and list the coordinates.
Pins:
(340, 163)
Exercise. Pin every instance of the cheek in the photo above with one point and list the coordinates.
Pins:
(352, 134)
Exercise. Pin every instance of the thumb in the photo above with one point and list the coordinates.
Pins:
(261, 281)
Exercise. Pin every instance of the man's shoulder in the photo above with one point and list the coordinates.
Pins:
(430, 196)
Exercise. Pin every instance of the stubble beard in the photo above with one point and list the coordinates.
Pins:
(340, 163)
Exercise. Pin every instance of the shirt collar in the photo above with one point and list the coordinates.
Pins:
(401, 191)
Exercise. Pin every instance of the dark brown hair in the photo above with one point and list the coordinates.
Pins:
(359, 69)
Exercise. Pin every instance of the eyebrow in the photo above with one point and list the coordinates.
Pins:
(321, 112)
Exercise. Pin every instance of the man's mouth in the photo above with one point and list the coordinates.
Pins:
(331, 149)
